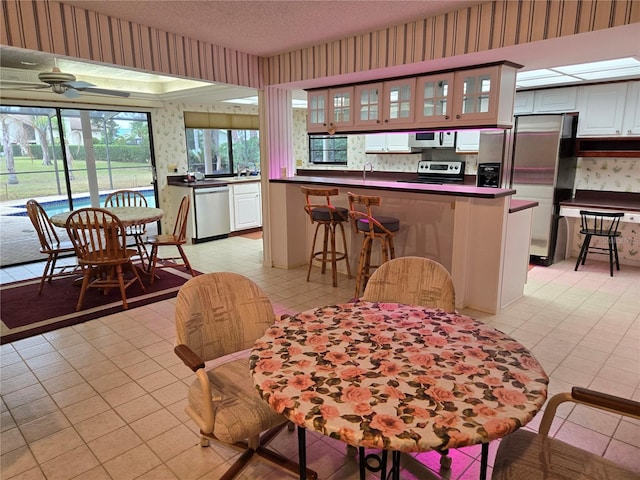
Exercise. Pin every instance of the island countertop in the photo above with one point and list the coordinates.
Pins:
(399, 186)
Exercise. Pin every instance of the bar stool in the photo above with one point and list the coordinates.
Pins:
(373, 228)
(330, 217)
(600, 224)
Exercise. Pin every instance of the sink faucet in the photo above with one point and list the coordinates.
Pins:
(364, 169)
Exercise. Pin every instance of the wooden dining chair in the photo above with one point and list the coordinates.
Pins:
(50, 243)
(177, 239)
(217, 315)
(131, 198)
(100, 243)
(600, 224)
(413, 281)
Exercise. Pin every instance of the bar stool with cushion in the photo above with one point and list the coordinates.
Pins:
(600, 224)
(373, 228)
(328, 216)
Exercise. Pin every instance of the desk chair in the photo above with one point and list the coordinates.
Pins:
(219, 314)
(131, 198)
(100, 243)
(176, 239)
(600, 224)
(536, 456)
(50, 243)
(372, 228)
(329, 217)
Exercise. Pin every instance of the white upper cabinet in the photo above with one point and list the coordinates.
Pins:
(556, 100)
(387, 143)
(467, 141)
(601, 109)
(317, 110)
(433, 95)
(631, 121)
(523, 102)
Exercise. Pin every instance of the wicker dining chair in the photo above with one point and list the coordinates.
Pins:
(100, 243)
(50, 243)
(131, 198)
(217, 315)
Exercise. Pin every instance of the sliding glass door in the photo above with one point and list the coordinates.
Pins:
(67, 159)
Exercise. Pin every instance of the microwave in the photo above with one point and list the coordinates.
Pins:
(444, 139)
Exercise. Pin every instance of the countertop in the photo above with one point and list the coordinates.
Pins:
(616, 201)
(392, 185)
(211, 182)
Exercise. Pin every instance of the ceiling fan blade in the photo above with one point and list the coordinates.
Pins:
(22, 85)
(79, 84)
(71, 93)
(104, 91)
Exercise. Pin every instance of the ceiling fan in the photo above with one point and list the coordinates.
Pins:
(66, 84)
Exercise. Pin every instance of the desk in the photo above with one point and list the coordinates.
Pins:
(397, 377)
(129, 216)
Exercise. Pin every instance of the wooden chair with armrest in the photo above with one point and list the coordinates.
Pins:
(100, 243)
(131, 198)
(536, 456)
(176, 239)
(50, 243)
(221, 314)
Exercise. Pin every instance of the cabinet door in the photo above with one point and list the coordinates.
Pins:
(317, 111)
(433, 99)
(375, 142)
(368, 105)
(247, 209)
(631, 123)
(340, 108)
(467, 141)
(398, 143)
(601, 109)
(555, 100)
(475, 95)
(523, 102)
(398, 103)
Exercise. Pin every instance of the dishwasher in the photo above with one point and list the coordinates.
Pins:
(211, 213)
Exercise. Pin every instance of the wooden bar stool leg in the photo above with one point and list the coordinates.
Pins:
(344, 245)
(325, 242)
(313, 250)
(334, 267)
(363, 263)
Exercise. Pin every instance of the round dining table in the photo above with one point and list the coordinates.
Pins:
(129, 216)
(397, 378)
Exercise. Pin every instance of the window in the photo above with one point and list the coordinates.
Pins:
(219, 152)
(328, 149)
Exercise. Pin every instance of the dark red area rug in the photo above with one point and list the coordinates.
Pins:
(25, 313)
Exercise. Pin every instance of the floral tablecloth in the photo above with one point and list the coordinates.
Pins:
(397, 377)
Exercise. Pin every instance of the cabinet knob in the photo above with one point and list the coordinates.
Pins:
(377, 121)
(386, 120)
(458, 116)
(446, 117)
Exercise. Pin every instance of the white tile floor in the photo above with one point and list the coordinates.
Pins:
(105, 399)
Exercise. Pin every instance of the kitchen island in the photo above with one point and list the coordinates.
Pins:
(477, 233)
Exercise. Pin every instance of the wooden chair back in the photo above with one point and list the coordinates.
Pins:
(180, 227)
(125, 198)
(600, 224)
(47, 235)
(98, 236)
(360, 211)
(312, 195)
(413, 281)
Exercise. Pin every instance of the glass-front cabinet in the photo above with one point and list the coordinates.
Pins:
(484, 96)
(328, 110)
(399, 103)
(434, 94)
(368, 101)
(317, 102)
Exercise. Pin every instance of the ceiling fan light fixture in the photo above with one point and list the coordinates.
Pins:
(58, 88)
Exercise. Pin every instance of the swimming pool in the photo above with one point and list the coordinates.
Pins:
(59, 206)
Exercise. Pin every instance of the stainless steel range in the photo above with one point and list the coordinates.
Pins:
(439, 172)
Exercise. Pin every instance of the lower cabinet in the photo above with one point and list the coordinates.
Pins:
(246, 206)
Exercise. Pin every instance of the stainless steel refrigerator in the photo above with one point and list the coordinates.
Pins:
(538, 161)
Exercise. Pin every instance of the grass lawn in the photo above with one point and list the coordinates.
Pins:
(36, 180)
